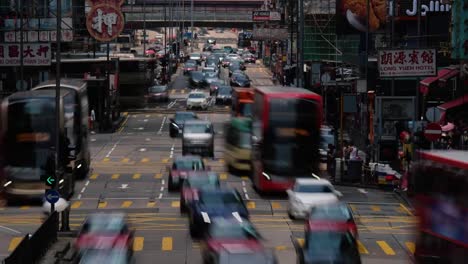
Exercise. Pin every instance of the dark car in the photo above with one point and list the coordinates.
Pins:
(209, 204)
(157, 93)
(224, 95)
(235, 66)
(105, 231)
(190, 66)
(328, 247)
(228, 49)
(215, 85)
(240, 80)
(335, 216)
(197, 79)
(195, 181)
(177, 122)
(212, 63)
(180, 168)
(210, 77)
(231, 240)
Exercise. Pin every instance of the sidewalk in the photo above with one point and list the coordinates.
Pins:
(62, 251)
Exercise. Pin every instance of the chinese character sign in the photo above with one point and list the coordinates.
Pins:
(408, 62)
(105, 22)
(34, 54)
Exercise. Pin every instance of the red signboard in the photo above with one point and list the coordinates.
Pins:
(433, 131)
(105, 22)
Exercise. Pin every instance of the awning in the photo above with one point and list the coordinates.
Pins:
(452, 104)
(440, 74)
(448, 76)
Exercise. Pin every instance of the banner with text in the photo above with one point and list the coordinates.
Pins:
(37, 54)
(407, 62)
(270, 32)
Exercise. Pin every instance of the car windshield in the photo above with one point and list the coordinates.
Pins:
(331, 212)
(195, 55)
(91, 256)
(329, 243)
(235, 257)
(241, 77)
(157, 89)
(226, 90)
(188, 165)
(232, 231)
(196, 95)
(190, 64)
(208, 70)
(199, 182)
(197, 75)
(211, 74)
(197, 128)
(219, 198)
(184, 116)
(104, 224)
(312, 188)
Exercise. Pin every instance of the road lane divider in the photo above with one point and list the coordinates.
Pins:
(14, 242)
(138, 243)
(166, 244)
(385, 247)
(162, 125)
(94, 176)
(251, 205)
(411, 247)
(102, 205)
(175, 204)
(362, 249)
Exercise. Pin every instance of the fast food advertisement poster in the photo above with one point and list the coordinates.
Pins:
(352, 16)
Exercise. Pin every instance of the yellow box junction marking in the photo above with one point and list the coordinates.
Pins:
(166, 244)
(144, 160)
(125, 160)
(362, 249)
(223, 176)
(165, 160)
(158, 176)
(14, 243)
(138, 243)
(151, 204)
(102, 205)
(410, 246)
(275, 205)
(115, 176)
(245, 178)
(221, 161)
(175, 204)
(375, 208)
(301, 242)
(126, 204)
(280, 248)
(136, 176)
(385, 247)
(251, 205)
(25, 207)
(76, 205)
(94, 176)
(106, 160)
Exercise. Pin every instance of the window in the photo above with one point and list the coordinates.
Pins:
(313, 188)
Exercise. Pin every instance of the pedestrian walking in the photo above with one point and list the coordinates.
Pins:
(285, 79)
(92, 119)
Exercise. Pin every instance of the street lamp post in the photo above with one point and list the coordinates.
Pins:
(191, 23)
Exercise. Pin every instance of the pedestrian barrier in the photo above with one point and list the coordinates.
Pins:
(33, 247)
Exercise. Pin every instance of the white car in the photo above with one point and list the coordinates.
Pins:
(234, 56)
(308, 193)
(197, 100)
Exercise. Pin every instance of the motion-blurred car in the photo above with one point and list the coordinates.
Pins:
(234, 56)
(177, 122)
(224, 95)
(307, 193)
(249, 58)
(239, 80)
(180, 168)
(198, 137)
(105, 231)
(327, 247)
(196, 57)
(234, 240)
(210, 204)
(157, 93)
(197, 79)
(214, 69)
(198, 100)
(226, 62)
(212, 62)
(210, 77)
(214, 86)
(234, 66)
(114, 255)
(219, 30)
(195, 181)
(205, 55)
(334, 216)
(190, 66)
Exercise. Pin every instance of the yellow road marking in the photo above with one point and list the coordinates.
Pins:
(115, 176)
(160, 115)
(275, 205)
(76, 205)
(183, 91)
(406, 209)
(175, 204)
(94, 176)
(251, 205)
(144, 160)
(244, 178)
(125, 160)
(126, 204)
(106, 160)
(223, 176)
(102, 205)
(362, 249)
(151, 204)
(125, 113)
(385, 247)
(173, 91)
(353, 208)
(280, 247)
(166, 244)
(158, 176)
(138, 243)
(221, 160)
(301, 241)
(375, 208)
(14, 243)
(136, 176)
(25, 207)
(165, 160)
(411, 246)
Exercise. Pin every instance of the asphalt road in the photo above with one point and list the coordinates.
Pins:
(129, 174)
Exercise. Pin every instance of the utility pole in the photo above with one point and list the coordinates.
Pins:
(144, 27)
(20, 7)
(191, 24)
(300, 44)
(58, 75)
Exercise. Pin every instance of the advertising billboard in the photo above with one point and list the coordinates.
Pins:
(37, 54)
(407, 62)
(270, 32)
(352, 16)
(460, 31)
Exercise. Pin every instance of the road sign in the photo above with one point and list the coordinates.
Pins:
(433, 131)
(52, 196)
(50, 181)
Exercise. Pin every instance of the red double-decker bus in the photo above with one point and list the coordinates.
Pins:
(285, 136)
(439, 183)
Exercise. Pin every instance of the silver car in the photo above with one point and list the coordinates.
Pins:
(198, 138)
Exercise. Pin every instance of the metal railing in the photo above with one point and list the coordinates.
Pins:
(33, 247)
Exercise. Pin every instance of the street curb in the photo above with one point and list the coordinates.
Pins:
(401, 195)
(357, 185)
